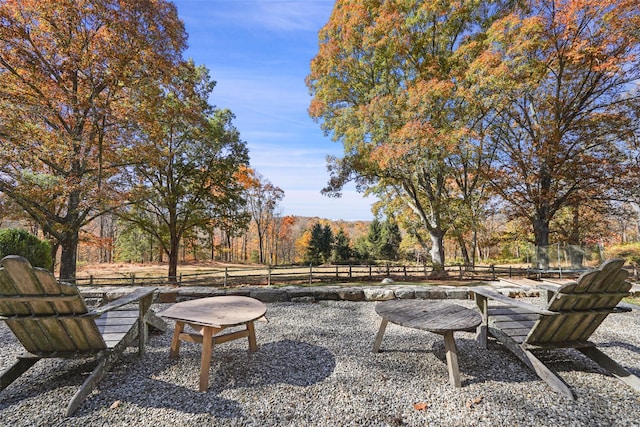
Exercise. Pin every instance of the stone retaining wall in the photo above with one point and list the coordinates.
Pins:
(317, 293)
(304, 293)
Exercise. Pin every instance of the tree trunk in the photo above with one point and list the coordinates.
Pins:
(574, 249)
(69, 239)
(474, 243)
(261, 246)
(69, 256)
(437, 250)
(463, 249)
(542, 217)
(55, 245)
(173, 266)
(174, 247)
(212, 240)
(541, 232)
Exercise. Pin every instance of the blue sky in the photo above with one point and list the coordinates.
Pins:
(258, 52)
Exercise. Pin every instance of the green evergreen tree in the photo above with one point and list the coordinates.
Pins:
(320, 244)
(326, 243)
(361, 249)
(314, 250)
(374, 239)
(133, 244)
(390, 239)
(341, 247)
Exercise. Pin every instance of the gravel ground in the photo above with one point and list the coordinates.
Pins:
(315, 368)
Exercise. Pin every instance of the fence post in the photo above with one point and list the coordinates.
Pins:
(133, 279)
(337, 273)
(510, 273)
(370, 275)
(460, 270)
(310, 273)
(404, 271)
(180, 280)
(350, 272)
(387, 269)
(91, 280)
(493, 271)
(269, 275)
(226, 274)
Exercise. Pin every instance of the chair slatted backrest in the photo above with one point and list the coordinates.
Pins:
(45, 315)
(583, 306)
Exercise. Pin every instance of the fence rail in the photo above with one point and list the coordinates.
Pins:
(268, 275)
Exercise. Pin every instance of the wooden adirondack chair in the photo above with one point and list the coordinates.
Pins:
(51, 319)
(574, 311)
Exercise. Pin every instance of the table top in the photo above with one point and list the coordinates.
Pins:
(429, 315)
(218, 312)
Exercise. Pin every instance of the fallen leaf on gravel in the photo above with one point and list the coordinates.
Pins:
(420, 406)
(473, 402)
(115, 404)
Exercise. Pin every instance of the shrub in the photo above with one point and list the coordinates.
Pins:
(15, 241)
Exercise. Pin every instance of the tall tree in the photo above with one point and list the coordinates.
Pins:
(390, 239)
(374, 238)
(388, 82)
(341, 246)
(326, 244)
(286, 239)
(262, 199)
(68, 70)
(314, 247)
(320, 244)
(188, 164)
(560, 76)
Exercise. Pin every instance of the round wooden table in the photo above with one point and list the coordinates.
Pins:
(209, 316)
(437, 316)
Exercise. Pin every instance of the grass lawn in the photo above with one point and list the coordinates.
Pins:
(633, 300)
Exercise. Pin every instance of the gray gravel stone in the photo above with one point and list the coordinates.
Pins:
(315, 367)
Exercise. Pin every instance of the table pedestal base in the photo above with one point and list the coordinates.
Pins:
(449, 345)
(207, 337)
(439, 317)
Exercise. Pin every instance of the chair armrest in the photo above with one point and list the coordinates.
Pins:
(497, 296)
(134, 296)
